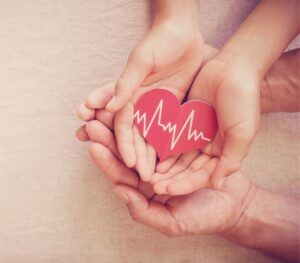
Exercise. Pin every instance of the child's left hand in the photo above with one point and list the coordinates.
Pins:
(232, 87)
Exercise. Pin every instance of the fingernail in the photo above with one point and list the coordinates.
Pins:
(111, 103)
(122, 196)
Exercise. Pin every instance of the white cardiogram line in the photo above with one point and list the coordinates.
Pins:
(192, 134)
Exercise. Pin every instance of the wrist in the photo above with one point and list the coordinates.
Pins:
(245, 231)
(244, 60)
(280, 88)
(265, 34)
(239, 64)
(177, 11)
(270, 223)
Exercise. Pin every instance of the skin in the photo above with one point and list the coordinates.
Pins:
(237, 209)
(156, 61)
(279, 92)
(230, 81)
(153, 62)
(245, 214)
(240, 211)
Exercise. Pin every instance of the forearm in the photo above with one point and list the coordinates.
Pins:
(281, 85)
(265, 33)
(271, 224)
(179, 10)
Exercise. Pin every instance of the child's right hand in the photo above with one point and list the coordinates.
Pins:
(169, 55)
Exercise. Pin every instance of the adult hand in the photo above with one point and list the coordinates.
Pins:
(202, 212)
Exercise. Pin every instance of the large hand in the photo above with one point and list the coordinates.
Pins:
(205, 211)
(170, 55)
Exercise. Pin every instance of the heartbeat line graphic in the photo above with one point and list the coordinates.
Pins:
(192, 134)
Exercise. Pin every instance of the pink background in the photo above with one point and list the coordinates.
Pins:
(55, 205)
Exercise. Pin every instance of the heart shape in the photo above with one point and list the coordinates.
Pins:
(172, 128)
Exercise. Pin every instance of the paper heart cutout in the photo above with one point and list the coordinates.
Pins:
(172, 128)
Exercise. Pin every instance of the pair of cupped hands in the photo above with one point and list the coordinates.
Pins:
(195, 192)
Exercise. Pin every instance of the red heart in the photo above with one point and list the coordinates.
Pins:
(172, 128)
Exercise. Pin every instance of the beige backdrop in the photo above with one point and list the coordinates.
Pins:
(55, 206)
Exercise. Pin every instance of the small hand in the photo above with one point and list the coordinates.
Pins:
(231, 86)
(234, 91)
(155, 62)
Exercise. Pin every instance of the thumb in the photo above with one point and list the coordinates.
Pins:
(236, 147)
(138, 67)
(150, 213)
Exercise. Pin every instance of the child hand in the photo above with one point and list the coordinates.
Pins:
(232, 87)
(169, 55)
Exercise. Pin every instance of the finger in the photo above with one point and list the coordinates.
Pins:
(161, 198)
(236, 146)
(81, 134)
(161, 187)
(146, 189)
(215, 147)
(181, 164)
(151, 158)
(105, 117)
(139, 66)
(142, 161)
(124, 134)
(85, 113)
(101, 96)
(152, 214)
(111, 166)
(194, 181)
(99, 133)
(165, 165)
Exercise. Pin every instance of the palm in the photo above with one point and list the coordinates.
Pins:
(210, 211)
(235, 95)
(204, 211)
(174, 56)
(162, 63)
